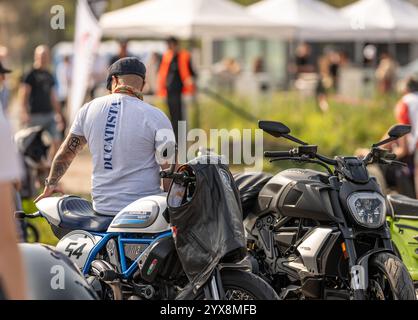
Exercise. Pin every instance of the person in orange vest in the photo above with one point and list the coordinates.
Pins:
(175, 79)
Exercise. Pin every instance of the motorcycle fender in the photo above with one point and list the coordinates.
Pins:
(363, 262)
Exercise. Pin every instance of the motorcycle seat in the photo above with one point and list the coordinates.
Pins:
(249, 186)
(78, 214)
(403, 205)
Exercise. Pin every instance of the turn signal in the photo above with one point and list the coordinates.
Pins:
(344, 248)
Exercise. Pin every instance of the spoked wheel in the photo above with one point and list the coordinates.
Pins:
(241, 285)
(389, 279)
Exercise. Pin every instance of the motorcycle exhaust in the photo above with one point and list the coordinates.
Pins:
(105, 272)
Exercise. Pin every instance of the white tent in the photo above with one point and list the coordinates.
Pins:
(185, 19)
(394, 19)
(308, 19)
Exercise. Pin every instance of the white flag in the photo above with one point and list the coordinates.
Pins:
(86, 42)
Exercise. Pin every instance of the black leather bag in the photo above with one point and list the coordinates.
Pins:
(206, 217)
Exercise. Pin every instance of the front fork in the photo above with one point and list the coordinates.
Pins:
(358, 282)
(214, 289)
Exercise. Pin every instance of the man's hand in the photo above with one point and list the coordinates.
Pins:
(48, 192)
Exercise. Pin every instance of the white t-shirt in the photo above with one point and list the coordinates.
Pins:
(123, 134)
(10, 166)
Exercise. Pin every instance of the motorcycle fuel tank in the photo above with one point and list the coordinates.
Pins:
(299, 193)
(142, 216)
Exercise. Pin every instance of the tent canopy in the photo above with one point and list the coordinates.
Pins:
(308, 19)
(185, 19)
(394, 19)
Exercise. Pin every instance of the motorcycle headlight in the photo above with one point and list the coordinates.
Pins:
(368, 208)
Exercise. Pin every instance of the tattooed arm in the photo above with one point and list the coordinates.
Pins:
(72, 145)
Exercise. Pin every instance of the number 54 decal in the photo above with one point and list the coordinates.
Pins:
(73, 249)
(77, 245)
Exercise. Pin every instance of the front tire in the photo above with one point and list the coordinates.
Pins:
(389, 279)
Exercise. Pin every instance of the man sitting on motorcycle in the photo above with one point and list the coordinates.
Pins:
(129, 140)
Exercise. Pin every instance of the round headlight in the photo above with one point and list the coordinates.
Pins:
(368, 208)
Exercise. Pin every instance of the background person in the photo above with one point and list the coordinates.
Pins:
(386, 73)
(303, 59)
(175, 79)
(40, 106)
(12, 278)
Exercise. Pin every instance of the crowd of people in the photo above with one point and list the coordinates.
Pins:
(327, 69)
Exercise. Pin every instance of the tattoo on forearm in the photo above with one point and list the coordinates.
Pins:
(66, 154)
(73, 144)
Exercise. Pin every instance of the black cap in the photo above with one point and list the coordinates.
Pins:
(128, 65)
(3, 69)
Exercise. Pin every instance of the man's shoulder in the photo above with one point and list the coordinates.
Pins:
(155, 112)
(155, 116)
(142, 106)
(99, 101)
(33, 73)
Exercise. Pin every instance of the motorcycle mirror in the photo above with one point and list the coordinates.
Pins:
(278, 130)
(395, 132)
(399, 131)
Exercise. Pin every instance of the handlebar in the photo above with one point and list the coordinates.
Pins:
(327, 160)
(182, 177)
(307, 151)
(277, 154)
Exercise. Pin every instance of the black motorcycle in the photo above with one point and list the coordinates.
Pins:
(316, 235)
